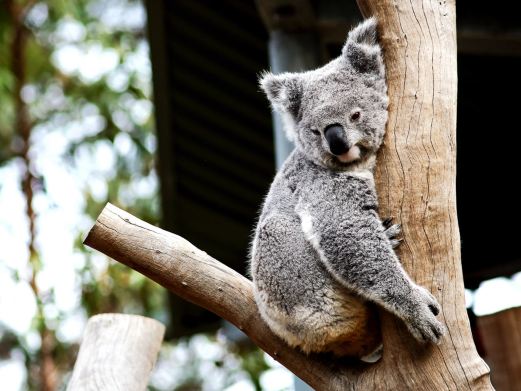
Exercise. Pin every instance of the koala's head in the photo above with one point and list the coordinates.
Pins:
(336, 114)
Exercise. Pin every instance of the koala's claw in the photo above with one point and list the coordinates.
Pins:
(396, 242)
(434, 310)
(387, 222)
(392, 231)
(423, 324)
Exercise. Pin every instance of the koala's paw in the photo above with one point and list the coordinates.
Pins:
(422, 322)
(392, 231)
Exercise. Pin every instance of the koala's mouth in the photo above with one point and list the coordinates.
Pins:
(354, 153)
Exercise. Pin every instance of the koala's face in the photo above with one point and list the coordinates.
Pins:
(336, 114)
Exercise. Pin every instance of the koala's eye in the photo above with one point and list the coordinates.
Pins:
(355, 115)
(315, 132)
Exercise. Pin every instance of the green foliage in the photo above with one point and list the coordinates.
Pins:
(88, 115)
(59, 99)
(101, 124)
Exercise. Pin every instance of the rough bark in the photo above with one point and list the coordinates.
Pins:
(501, 337)
(416, 184)
(118, 352)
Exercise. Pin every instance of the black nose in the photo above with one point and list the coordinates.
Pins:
(336, 139)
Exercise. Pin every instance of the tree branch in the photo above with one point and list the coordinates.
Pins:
(195, 276)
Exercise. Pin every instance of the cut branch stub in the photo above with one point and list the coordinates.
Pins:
(118, 352)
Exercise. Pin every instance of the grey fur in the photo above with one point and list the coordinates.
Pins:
(319, 231)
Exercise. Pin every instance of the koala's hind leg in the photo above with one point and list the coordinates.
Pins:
(351, 327)
(300, 300)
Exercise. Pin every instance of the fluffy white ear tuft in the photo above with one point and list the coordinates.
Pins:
(362, 49)
(365, 32)
(284, 91)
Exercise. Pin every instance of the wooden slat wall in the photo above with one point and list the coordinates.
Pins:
(215, 138)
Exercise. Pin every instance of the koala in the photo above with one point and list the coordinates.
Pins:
(321, 258)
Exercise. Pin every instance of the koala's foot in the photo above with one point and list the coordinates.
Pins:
(392, 231)
(422, 322)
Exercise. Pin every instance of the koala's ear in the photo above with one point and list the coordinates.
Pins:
(362, 50)
(284, 91)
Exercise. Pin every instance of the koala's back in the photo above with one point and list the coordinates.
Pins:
(296, 294)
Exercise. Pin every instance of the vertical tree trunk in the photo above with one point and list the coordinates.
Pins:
(501, 336)
(416, 184)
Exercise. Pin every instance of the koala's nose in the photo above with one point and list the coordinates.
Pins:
(336, 139)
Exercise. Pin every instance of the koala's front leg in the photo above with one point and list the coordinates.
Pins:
(357, 251)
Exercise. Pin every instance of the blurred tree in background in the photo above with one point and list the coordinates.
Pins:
(76, 130)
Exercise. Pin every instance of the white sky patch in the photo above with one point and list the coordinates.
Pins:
(119, 15)
(241, 385)
(469, 298)
(122, 120)
(140, 111)
(117, 80)
(71, 328)
(496, 295)
(13, 372)
(151, 143)
(138, 62)
(276, 379)
(17, 304)
(67, 58)
(90, 62)
(516, 278)
(69, 30)
(98, 189)
(14, 234)
(29, 93)
(38, 14)
(123, 144)
(139, 188)
(32, 340)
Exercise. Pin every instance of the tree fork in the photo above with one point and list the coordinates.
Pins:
(416, 184)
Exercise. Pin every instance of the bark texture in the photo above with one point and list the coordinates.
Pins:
(416, 182)
(118, 352)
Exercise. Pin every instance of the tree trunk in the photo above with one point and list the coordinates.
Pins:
(501, 337)
(416, 184)
(416, 181)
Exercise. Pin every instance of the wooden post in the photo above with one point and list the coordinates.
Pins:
(501, 337)
(118, 352)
